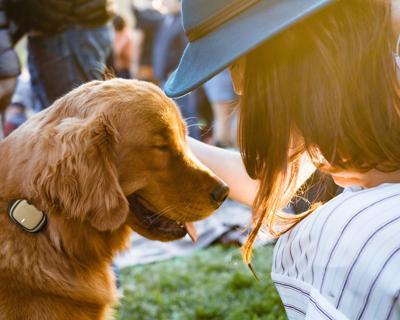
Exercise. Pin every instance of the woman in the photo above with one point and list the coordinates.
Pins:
(316, 79)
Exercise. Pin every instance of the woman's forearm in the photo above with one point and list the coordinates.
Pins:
(228, 166)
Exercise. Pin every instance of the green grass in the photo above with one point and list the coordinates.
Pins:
(209, 284)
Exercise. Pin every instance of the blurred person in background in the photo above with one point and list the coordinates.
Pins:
(168, 47)
(14, 117)
(23, 104)
(122, 48)
(148, 21)
(223, 100)
(9, 64)
(68, 42)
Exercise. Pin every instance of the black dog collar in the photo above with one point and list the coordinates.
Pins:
(26, 215)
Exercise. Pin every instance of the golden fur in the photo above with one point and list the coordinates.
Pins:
(82, 161)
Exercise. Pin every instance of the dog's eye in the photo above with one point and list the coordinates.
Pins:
(164, 147)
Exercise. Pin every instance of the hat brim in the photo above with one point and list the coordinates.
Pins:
(204, 58)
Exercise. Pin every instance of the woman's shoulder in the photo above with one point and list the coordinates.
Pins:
(356, 204)
(357, 220)
(353, 214)
(348, 250)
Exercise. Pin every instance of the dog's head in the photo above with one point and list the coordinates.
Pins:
(114, 152)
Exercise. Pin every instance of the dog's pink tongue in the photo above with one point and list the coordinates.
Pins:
(191, 230)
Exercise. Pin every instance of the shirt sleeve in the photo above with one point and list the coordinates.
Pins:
(9, 63)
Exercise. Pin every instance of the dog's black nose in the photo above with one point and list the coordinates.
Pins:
(220, 193)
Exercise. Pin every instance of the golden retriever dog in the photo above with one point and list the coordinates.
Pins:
(107, 158)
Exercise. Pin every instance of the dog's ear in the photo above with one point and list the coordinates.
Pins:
(81, 178)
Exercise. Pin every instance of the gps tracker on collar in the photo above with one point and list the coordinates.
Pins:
(26, 216)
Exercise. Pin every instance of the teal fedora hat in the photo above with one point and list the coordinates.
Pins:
(220, 31)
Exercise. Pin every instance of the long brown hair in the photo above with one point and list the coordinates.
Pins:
(331, 81)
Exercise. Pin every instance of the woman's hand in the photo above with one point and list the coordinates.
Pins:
(228, 166)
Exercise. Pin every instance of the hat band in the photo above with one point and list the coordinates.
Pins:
(221, 17)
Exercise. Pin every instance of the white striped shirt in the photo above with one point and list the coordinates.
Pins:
(343, 261)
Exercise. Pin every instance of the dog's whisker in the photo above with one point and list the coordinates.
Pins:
(190, 118)
(154, 218)
(192, 125)
(185, 216)
(165, 210)
(159, 214)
